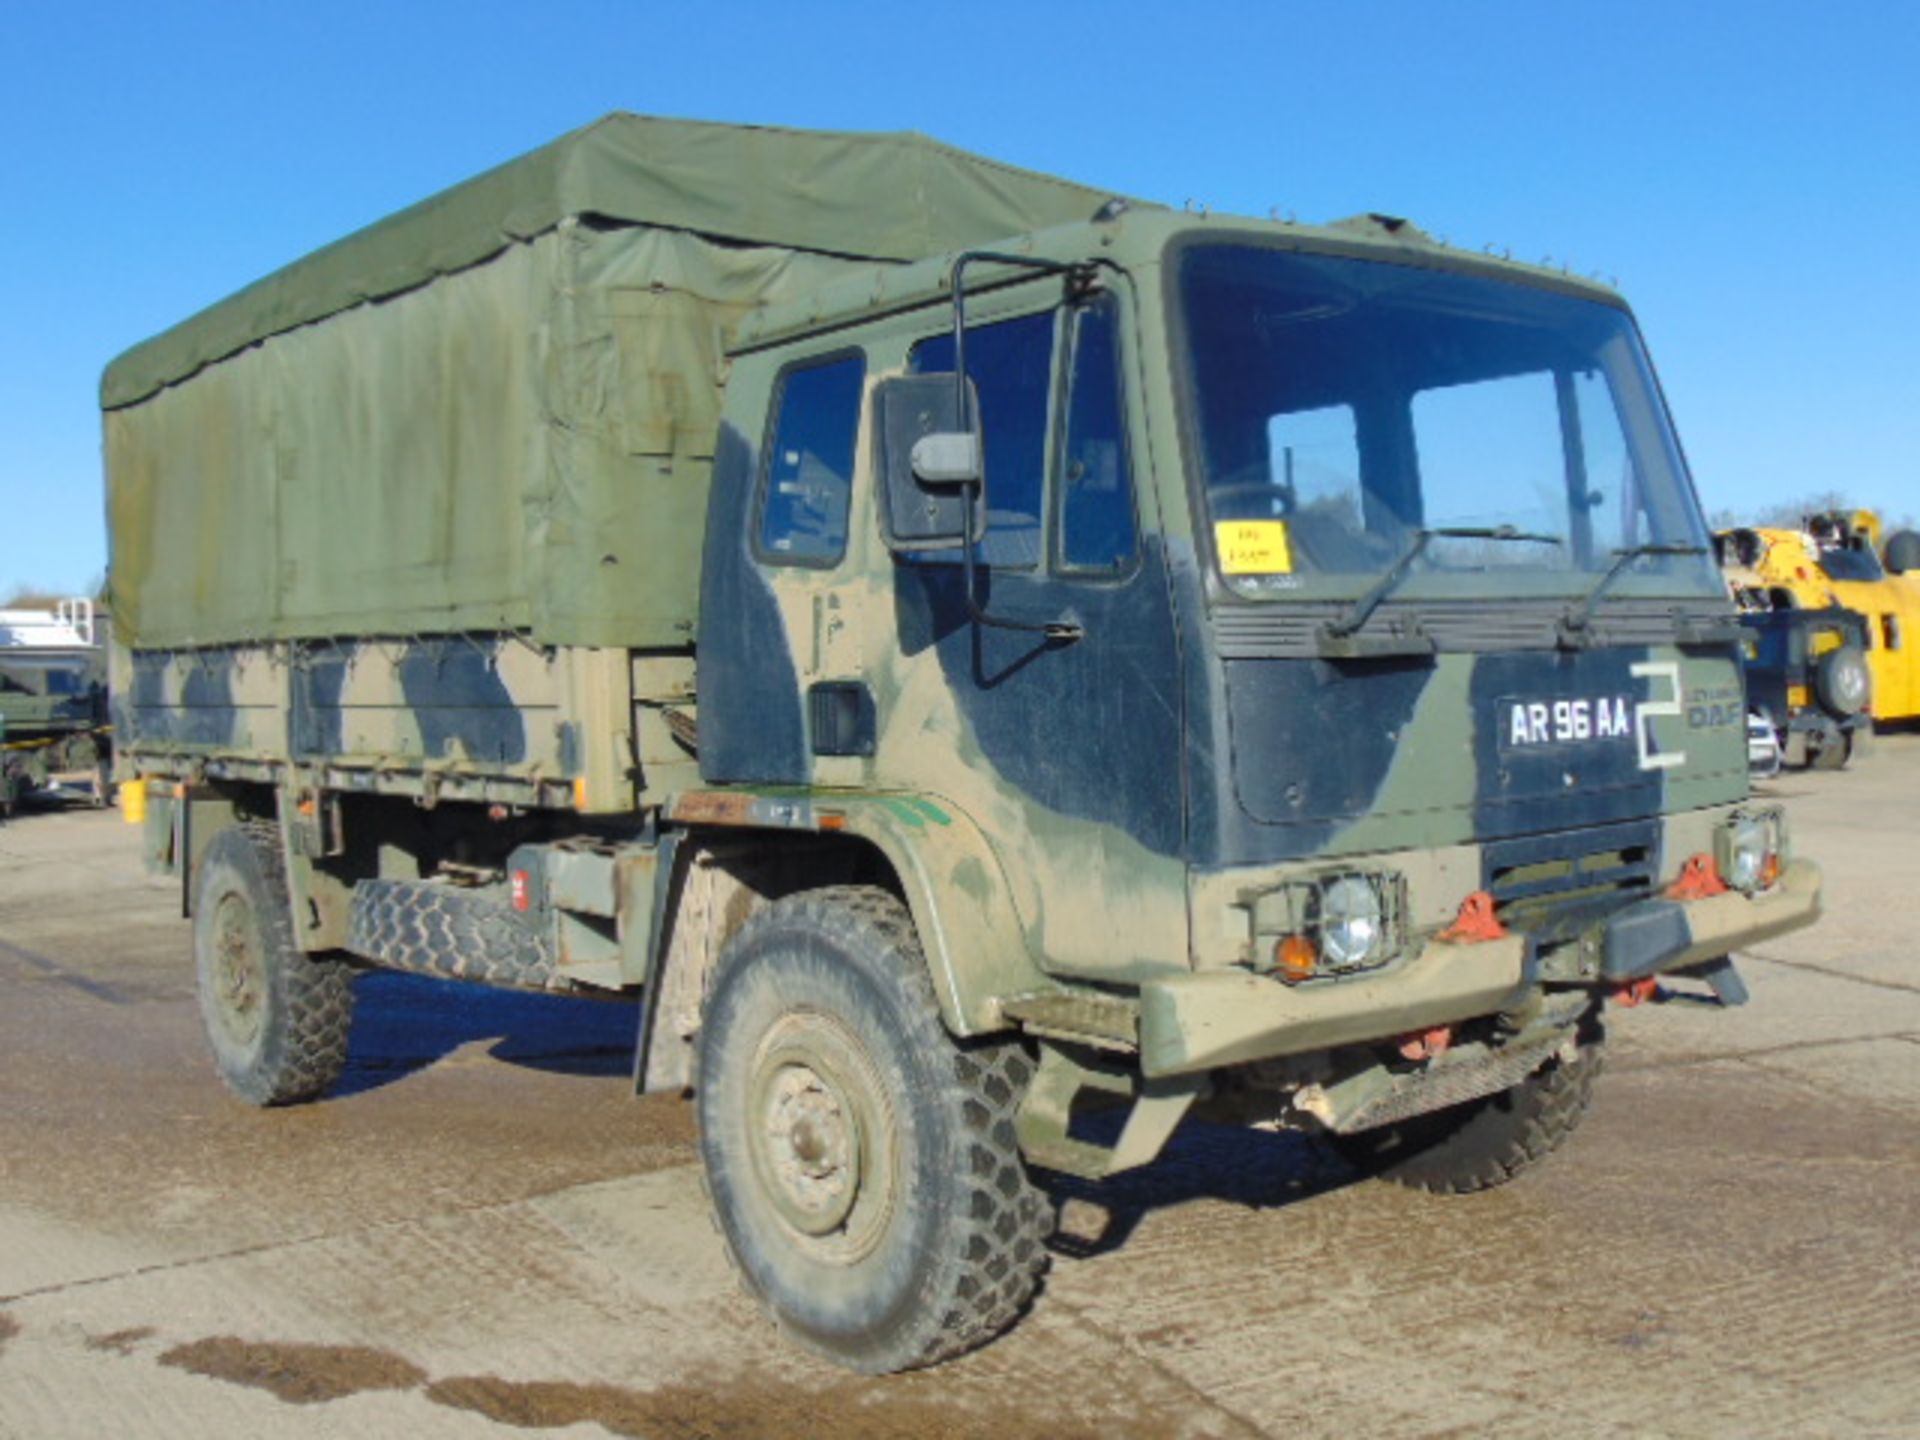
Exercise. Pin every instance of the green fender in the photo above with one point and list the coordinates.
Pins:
(975, 947)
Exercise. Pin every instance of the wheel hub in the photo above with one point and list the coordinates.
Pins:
(819, 1126)
(239, 976)
(812, 1140)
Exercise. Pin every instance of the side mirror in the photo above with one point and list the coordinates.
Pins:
(929, 461)
(946, 458)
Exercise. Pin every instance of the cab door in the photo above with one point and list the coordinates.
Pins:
(1066, 752)
(778, 600)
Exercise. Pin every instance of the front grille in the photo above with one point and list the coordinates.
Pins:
(1553, 885)
(1276, 630)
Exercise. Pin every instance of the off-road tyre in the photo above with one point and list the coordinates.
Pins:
(1830, 672)
(861, 1162)
(276, 1017)
(1487, 1142)
(1832, 753)
(441, 930)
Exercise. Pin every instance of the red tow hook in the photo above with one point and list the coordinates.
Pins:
(1699, 879)
(1425, 1044)
(1475, 922)
(1630, 993)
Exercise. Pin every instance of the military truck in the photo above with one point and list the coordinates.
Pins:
(999, 666)
(53, 704)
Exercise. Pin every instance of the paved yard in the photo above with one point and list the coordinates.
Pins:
(484, 1233)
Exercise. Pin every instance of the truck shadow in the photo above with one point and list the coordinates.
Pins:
(1260, 1169)
(43, 803)
(404, 1023)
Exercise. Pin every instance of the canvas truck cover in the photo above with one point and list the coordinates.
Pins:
(497, 409)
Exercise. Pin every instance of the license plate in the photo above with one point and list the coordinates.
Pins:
(1570, 720)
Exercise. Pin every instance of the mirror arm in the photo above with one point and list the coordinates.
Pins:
(1065, 629)
(1079, 275)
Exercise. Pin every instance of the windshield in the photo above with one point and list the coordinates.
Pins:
(1342, 406)
(1849, 562)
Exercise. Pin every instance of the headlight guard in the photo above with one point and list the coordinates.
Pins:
(1331, 925)
(1750, 849)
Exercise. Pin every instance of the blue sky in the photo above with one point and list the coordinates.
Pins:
(1749, 172)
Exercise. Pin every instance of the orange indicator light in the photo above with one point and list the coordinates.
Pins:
(1295, 957)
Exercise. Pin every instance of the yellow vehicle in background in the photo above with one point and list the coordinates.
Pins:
(1839, 558)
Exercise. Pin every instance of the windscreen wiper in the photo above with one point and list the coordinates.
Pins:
(1350, 623)
(1574, 624)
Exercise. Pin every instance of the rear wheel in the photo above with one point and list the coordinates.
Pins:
(861, 1162)
(276, 1018)
(1485, 1142)
(1830, 750)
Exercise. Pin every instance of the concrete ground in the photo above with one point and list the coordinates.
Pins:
(484, 1233)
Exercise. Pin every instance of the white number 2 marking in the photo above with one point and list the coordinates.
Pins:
(1644, 712)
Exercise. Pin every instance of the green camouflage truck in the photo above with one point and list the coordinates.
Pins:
(1000, 667)
(53, 704)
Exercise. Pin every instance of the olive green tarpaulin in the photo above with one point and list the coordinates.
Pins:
(477, 414)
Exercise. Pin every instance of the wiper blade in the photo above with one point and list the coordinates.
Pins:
(1573, 625)
(1351, 622)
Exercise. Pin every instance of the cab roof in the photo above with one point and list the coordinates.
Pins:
(1136, 235)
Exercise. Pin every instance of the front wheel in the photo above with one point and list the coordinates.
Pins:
(1485, 1142)
(862, 1162)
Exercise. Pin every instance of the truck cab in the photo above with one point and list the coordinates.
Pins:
(1328, 587)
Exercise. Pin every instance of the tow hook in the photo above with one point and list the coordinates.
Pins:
(1630, 993)
(1425, 1044)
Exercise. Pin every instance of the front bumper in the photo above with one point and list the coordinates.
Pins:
(1660, 935)
(1208, 1019)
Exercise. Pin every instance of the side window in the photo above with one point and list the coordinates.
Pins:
(1011, 365)
(809, 463)
(1097, 529)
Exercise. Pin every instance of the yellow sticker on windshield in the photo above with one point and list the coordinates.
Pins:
(1253, 547)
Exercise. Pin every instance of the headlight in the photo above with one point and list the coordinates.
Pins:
(1353, 929)
(1746, 853)
(1751, 849)
(1330, 925)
